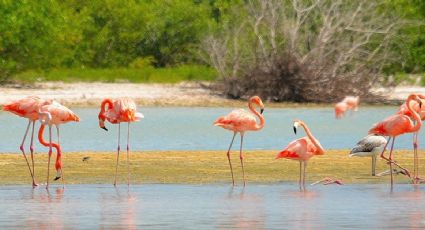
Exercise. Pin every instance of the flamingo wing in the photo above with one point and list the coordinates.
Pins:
(368, 144)
(237, 120)
(294, 150)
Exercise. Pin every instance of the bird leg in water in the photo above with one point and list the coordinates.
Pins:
(118, 154)
(21, 147)
(241, 158)
(228, 157)
(34, 184)
(50, 154)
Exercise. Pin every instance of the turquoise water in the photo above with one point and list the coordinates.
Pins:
(277, 206)
(192, 129)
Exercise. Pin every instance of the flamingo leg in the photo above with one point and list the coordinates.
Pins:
(305, 166)
(62, 175)
(21, 147)
(415, 159)
(241, 158)
(391, 162)
(34, 184)
(299, 181)
(50, 154)
(118, 154)
(128, 154)
(228, 157)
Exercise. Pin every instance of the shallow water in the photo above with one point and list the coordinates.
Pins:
(192, 129)
(274, 206)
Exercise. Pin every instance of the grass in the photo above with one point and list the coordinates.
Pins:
(199, 167)
(134, 75)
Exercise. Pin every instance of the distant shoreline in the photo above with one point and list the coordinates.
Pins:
(182, 94)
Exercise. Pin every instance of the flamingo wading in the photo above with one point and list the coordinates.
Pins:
(241, 121)
(396, 125)
(28, 108)
(302, 150)
(120, 110)
(54, 114)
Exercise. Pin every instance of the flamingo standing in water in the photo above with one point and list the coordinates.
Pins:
(302, 150)
(120, 110)
(421, 111)
(28, 108)
(396, 125)
(240, 121)
(54, 114)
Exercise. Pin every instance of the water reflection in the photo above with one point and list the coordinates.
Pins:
(243, 211)
(274, 206)
(118, 210)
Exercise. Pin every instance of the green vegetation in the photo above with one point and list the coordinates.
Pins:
(75, 38)
(135, 75)
(200, 167)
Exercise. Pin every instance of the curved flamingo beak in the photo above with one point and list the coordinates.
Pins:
(102, 124)
(58, 174)
(261, 111)
(296, 124)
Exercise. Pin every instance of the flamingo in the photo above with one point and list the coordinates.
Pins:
(120, 110)
(421, 111)
(352, 102)
(340, 109)
(369, 146)
(54, 114)
(396, 125)
(240, 121)
(28, 108)
(302, 150)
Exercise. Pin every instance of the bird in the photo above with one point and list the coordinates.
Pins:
(369, 146)
(86, 159)
(352, 102)
(421, 111)
(241, 121)
(54, 114)
(27, 107)
(347, 104)
(396, 125)
(117, 111)
(302, 150)
(340, 109)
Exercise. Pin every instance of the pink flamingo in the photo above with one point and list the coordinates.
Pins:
(396, 125)
(240, 121)
(302, 150)
(340, 109)
(421, 111)
(352, 102)
(120, 110)
(28, 108)
(54, 114)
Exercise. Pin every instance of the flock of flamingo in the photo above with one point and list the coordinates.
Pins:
(408, 119)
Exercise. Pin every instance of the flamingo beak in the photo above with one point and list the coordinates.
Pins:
(295, 130)
(261, 111)
(104, 128)
(58, 174)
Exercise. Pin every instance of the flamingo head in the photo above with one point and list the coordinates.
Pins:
(58, 167)
(102, 119)
(257, 100)
(297, 124)
(44, 117)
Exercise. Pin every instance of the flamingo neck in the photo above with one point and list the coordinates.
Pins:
(260, 117)
(417, 125)
(312, 138)
(106, 102)
(58, 164)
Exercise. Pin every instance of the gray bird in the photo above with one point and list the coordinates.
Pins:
(369, 146)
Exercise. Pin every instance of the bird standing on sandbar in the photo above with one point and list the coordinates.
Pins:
(117, 111)
(240, 121)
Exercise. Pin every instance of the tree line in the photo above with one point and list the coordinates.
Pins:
(233, 36)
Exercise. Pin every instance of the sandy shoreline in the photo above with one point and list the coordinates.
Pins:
(182, 94)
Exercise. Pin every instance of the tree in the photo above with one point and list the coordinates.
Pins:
(302, 50)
